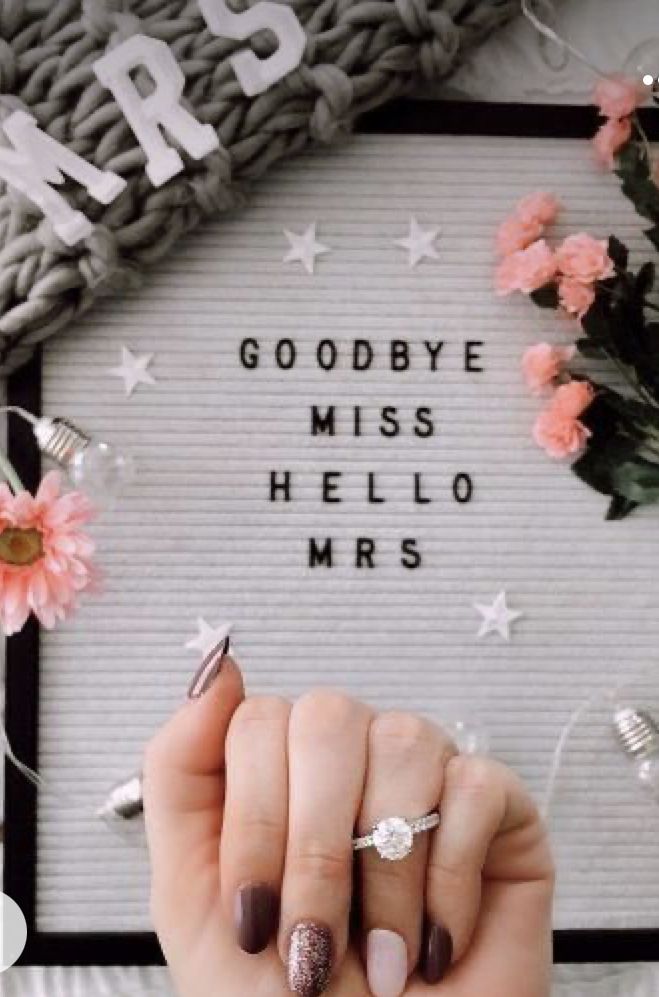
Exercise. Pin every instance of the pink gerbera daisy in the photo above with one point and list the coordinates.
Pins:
(45, 559)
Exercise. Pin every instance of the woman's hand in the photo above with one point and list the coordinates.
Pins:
(251, 806)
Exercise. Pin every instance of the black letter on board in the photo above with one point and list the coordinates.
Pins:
(285, 361)
(249, 360)
(325, 347)
(372, 497)
(463, 488)
(365, 550)
(322, 423)
(434, 350)
(320, 556)
(362, 346)
(418, 497)
(472, 356)
(330, 486)
(390, 426)
(411, 557)
(400, 354)
(424, 424)
(278, 485)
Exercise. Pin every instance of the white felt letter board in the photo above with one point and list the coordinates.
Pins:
(430, 469)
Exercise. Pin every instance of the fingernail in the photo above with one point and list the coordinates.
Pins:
(208, 670)
(386, 963)
(437, 953)
(257, 917)
(309, 959)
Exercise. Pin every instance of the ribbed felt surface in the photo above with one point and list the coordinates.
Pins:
(198, 534)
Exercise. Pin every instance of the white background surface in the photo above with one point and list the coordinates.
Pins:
(619, 28)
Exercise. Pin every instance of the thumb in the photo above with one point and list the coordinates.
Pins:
(184, 771)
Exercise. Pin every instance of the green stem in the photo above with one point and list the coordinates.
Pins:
(649, 449)
(9, 473)
(644, 139)
(636, 387)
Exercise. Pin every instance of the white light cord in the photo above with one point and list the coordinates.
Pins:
(8, 472)
(553, 36)
(25, 770)
(559, 751)
(23, 413)
(77, 804)
(6, 469)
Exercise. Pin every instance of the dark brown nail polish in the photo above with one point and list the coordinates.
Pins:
(310, 959)
(436, 953)
(208, 670)
(257, 917)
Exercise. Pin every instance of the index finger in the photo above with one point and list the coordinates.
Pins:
(184, 771)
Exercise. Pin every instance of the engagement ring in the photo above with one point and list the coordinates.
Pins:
(393, 837)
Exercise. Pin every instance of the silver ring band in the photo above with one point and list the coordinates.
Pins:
(393, 837)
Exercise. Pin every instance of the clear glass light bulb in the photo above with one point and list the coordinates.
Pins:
(642, 64)
(97, 468)
(101, 471)
(470, 734)
(647, 773)
(637, 732)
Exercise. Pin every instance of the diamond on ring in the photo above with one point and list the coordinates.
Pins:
(393, 837)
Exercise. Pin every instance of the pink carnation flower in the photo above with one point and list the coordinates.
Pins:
(558, 435)
(558, 429)
(526, 270)
(514, 234)
(541, 208)
(575, 297)
(45, 559)
(610, 138)
(572, 399)
(542, 363)
(584, 259)
(617, 96)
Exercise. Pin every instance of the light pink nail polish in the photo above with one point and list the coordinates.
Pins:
(386, 963)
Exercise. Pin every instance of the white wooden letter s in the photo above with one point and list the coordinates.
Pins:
(256, 75)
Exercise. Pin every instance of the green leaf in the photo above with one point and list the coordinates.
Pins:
(632, 161)
(633, 168)
(644, 281)
(546, 297)
(619, 508)
(617, 469)
(589, 349)
(653, 235)
(637, 480)
(618, 252)
(644, 195)
(596, 323)
(612, 415)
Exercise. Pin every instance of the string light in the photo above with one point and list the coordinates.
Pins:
(638, 735)
(98, 468)
(642, 63)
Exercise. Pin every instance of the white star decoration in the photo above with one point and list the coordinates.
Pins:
(133, 370)
(208, 637)
(304, 248)
(497, 617)
(419, 243)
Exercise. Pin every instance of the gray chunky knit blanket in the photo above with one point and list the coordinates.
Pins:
(359, 53)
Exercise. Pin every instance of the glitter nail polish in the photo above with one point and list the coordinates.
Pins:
(309, 959)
